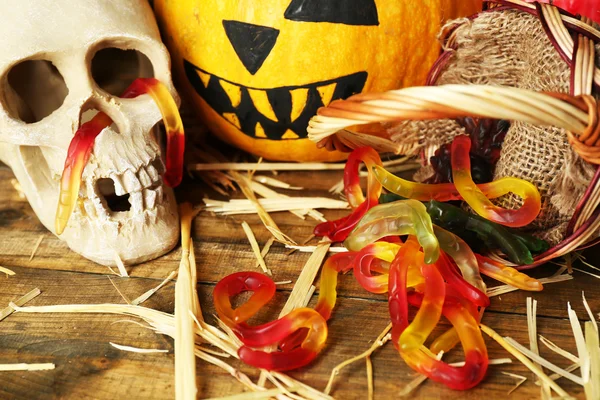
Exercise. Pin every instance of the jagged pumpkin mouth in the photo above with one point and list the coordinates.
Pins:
(280, 113)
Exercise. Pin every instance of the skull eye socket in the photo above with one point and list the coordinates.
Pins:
(348, 12)
(115, 69)
(35, 90)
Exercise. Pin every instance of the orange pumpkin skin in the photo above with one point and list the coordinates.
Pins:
(256, 72)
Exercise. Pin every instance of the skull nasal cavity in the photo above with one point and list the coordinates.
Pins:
(115, 69)
(35, 90)
(252, 43)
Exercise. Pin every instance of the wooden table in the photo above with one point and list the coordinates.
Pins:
(87, 367)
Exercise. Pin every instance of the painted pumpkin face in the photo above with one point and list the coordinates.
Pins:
(258, 71)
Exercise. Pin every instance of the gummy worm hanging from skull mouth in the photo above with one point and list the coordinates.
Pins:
(82, 145)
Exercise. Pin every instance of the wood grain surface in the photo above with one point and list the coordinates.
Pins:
(87, 367)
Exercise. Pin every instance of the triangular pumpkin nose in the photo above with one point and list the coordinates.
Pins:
(252, 43)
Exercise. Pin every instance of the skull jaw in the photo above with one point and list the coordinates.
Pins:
(143, 237)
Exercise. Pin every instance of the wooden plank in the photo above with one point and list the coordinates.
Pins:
(225, 250)
(88, 367)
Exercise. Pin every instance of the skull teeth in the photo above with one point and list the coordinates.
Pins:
(89, 209)
(142, 191)
(144, 178)
(153, 173)
(137, 202)
(119, 189)
(158, 165)
(131, 182)
(159, 193)
(149, 198)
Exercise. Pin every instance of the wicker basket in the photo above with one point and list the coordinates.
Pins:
(577, 112)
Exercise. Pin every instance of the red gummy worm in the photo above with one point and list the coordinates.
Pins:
(270, 333)
(82, 144)
(430, 312)
(338, 230)
(476, 357)
(451, 274)
(397, 284)
(335, 264)
(365, 263)
(476, 198)
(352, 188)
(171, 120)
(449, 339)
(415, 298)
(78, 155)
(263, 290)
(409, 344)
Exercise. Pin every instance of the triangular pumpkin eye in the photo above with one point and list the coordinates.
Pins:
(252, 43)
(348, 12)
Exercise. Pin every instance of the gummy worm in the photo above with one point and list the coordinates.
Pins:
(352, 187)
(450, 273)
(335, 264)
(446, 341)
(475, 195)
(462, 254)
(449, 339)
(397, 295)
(270, 333)
(77, 156)
(365, 264)
(396, 219)
(413, 336)
(508, 275)
(338, 230)
(515, 246)
(486, 266)
(476, 357)
(429, 313)
(409, 338)
(461, 175)
(82, 144)
(534, 244)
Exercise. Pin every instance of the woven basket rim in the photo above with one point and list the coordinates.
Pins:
(577, 113)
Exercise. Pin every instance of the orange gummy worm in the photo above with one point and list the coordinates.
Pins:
(82, 144)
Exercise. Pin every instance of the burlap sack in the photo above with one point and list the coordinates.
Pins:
(510, 48)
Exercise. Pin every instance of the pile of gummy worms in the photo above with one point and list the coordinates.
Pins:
(82, 144)
(409, 244)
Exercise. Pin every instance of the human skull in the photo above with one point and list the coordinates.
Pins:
(61, 62)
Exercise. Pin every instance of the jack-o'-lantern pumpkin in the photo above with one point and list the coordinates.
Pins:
(258, 70)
